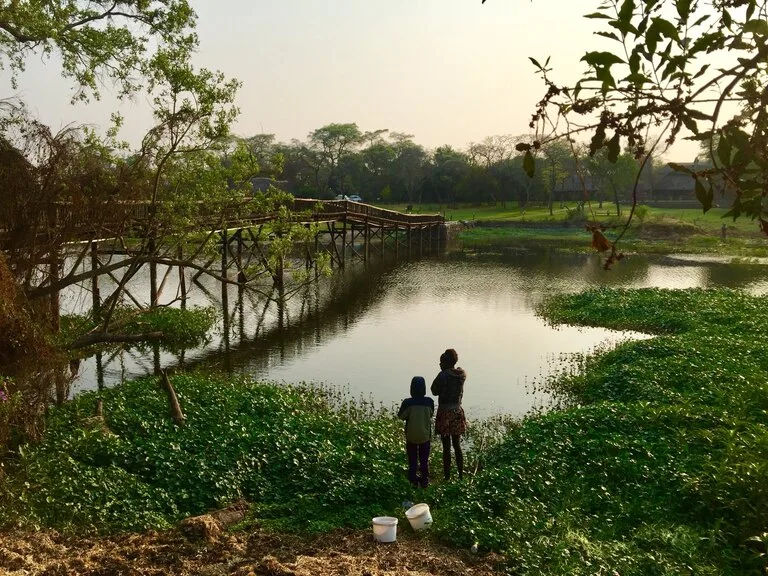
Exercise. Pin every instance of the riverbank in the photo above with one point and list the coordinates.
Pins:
(656, 463)
(655, 236)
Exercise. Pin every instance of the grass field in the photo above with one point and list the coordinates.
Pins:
(711, 222)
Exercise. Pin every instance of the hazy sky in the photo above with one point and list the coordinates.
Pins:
(446, 71)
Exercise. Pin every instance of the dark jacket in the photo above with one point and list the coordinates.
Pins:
(448, 386)
(417, 411)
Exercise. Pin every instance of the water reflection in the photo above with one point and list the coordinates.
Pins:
(372, 329)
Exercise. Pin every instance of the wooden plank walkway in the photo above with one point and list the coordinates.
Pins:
(68, 223)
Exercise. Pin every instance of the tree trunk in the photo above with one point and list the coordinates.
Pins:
(173, 401)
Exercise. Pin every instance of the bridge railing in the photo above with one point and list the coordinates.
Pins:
(364, 211)
(81, 221)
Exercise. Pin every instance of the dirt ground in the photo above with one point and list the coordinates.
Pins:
(218, 553)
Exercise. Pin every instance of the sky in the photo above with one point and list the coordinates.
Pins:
(445, 71)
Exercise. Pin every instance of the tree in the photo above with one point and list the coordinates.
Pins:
(558, 163)
(409, 165)
(324, 151)
(448, 168)
(619, 176)
(96, 39)
(660, 77)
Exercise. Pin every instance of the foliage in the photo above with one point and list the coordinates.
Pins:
(658, 466)
(673, 67)
(96, 40)
(287, 449)
(655, 466)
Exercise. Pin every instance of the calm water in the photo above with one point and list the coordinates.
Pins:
(369, 331)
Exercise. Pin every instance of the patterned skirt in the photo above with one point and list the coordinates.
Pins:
(450, 421)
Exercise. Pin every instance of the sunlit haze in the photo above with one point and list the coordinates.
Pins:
(445, 71)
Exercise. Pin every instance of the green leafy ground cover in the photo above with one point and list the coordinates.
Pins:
(658, 464)
(668, 240)
(305, 464)
(661, 464)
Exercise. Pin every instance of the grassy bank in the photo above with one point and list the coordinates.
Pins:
(659, 239)
(659, 465)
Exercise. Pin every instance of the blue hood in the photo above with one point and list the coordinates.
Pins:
(418, 387)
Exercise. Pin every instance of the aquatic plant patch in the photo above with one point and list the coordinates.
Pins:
(305, 463)
(660, 464)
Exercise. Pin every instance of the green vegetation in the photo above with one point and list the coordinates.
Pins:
(656, 464)
(653, 230)
(177, 328)
(307, 459)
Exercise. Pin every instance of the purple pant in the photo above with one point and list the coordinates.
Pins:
(418, 453)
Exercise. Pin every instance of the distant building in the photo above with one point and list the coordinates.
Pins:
(670, 187)
(261, 184)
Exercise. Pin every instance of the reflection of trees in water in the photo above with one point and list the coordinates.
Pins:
(736, 275)
(550, 267)
(275, 330)
(258, 330)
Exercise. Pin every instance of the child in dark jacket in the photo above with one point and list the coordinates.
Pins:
(417, 411)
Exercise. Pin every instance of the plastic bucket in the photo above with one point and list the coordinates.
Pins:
(385, 528)
(419, 516)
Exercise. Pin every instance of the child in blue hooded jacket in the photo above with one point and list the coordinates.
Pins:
(417, 411)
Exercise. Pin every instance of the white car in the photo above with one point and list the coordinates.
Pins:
(354, 198)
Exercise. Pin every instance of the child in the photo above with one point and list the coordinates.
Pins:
(417, 411)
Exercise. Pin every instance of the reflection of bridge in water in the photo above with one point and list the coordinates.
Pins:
(258, 332)
(239, 236)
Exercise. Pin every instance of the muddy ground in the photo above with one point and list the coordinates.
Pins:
(254, 553)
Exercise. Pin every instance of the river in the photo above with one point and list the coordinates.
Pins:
(369, 330)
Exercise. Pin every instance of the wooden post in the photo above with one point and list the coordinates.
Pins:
(173, 400)
(224, 266)
(152, 272)
(397, 244)
(241, 279)
(410, 241)
(182, 277)
(317, 235)
(366, 241)
(96, 296)
(99, 371)
(344, 244)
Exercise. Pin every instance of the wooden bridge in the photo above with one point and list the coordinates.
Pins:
(57, 242)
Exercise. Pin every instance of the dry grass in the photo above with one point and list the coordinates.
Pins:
(242, 554)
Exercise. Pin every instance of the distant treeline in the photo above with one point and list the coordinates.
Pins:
(384, 166)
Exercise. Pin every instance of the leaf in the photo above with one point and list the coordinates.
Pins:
(613, 148)
(596, 15)
(601, 59)
(626, 11)
(529, 164)
(691, 124)
(535, 62)
(704, 195)
(683, 9)
(727, 20)
(666, 28)
(609, 35)
(724, 150)
(758, 27)
(597, 140)
(680, 168)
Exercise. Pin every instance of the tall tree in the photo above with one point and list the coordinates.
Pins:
(325, 149)
(95, 39)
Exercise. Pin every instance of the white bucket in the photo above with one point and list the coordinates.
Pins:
(385, 528)
(419, 516)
